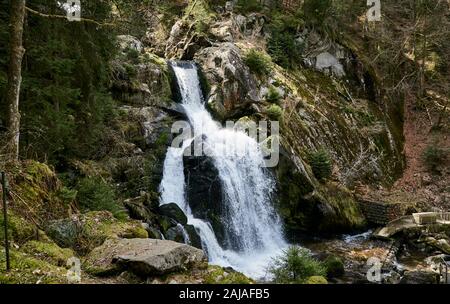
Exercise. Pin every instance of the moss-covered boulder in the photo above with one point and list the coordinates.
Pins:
(89, 230)
(316, 280)
(48, 251)
(219, 275)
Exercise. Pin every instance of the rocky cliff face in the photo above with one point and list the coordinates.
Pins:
(331, 102)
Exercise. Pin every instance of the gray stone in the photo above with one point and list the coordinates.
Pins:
(144, 257)
(64, 232)
(327, 62)
(419, 277)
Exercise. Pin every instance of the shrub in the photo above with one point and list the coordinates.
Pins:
(275, 112)
(295, 265)
(258, 62)
(282, 45)
(320, 162)
(96, 195)
(248, 6)
(334, 266)
(433, 156)
(273, 95)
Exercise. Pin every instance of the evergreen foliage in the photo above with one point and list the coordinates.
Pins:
(258, 62)
(64, 100)
(295, 265)
(321, 164)
(94, 194)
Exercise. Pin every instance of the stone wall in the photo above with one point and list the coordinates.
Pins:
(380, 212)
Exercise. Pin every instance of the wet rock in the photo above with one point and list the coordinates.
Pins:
(165, 223)
(153, 233)
(194, 238)
(173, 211)
(175, 234)
(144, 257)
(419, 277)
(204, 192)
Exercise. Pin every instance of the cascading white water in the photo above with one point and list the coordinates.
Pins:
(251, 220)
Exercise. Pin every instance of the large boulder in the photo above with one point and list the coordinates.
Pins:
(419, 277)
(144, 257)
(232, 87)
(89, 230)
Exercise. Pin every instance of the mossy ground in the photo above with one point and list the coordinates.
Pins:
(219, 275)
(31, 269)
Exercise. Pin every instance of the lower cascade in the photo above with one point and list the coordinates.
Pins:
(251, 226)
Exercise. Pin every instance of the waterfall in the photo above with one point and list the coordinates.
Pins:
(250, 219)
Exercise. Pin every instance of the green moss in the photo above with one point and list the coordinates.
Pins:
(316, 280)
(258, 62)
(347, 214)
(218, 275)
(49, 252)
(36, 189)
(19, 230)
(97, 226)
(26, 269)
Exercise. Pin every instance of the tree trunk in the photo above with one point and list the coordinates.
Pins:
(17, 15)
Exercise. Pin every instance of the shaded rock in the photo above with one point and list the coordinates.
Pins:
(419, 277)
(138, 208)
(139, 77)
(153, 233)
(64, 232)
(176, 234)
(129, 42)
(89, 230)
(144, 257)
(194, 238)
(307, 205)
(173, 211)
(204, 192)
(165, 223)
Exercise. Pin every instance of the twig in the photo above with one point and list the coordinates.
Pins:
(65, 17)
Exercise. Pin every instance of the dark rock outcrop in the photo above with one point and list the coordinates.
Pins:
(173, 211)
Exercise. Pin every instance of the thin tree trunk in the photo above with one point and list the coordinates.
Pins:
(17, 15)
